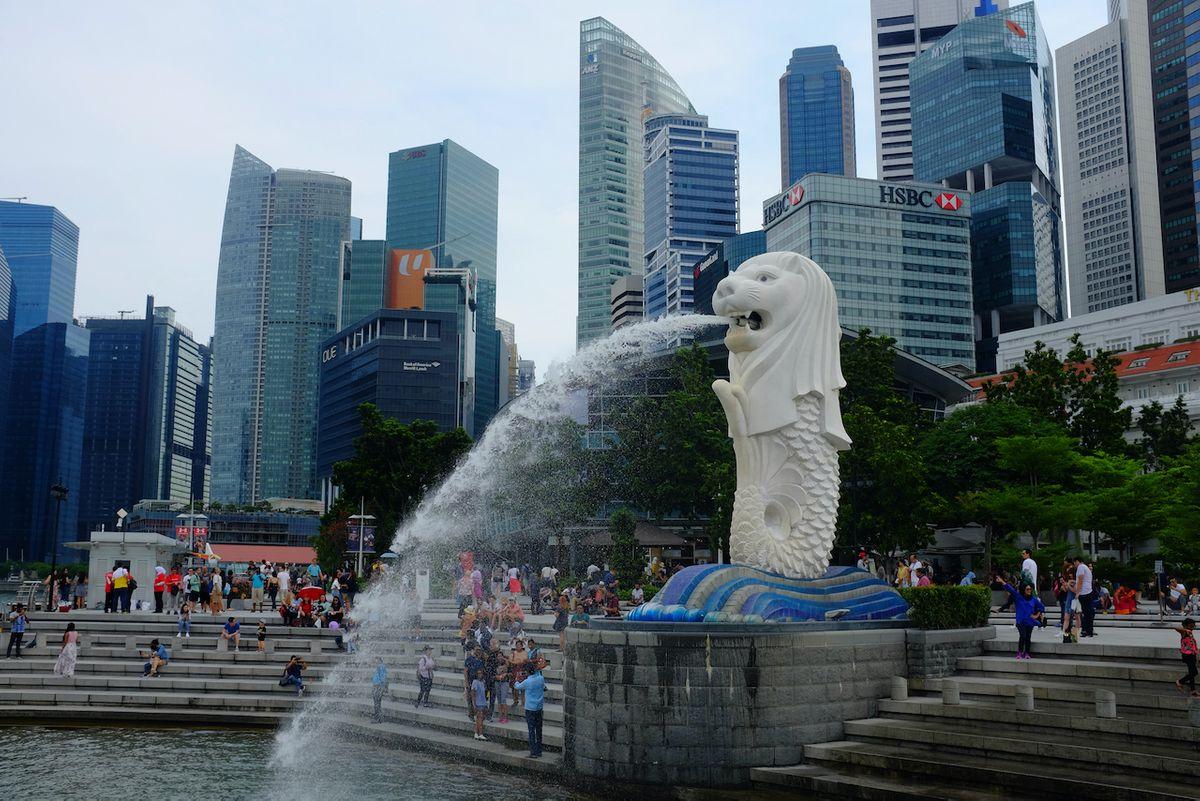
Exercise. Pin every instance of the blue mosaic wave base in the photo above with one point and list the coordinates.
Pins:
(741, 594)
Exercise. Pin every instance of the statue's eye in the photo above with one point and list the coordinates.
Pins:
(764, 278)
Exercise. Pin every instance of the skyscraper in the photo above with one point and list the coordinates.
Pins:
(41, 246)
(147, 409)
(620, 85)
(1168, 28)
(900, 30)
(363, 269)
(983, 120)
(444, 198)
(816, 115)
(508, 360)
(7, 310)
(277, 300)
(691, 194)
(43, 443)
(41, 431)
(1110, 187)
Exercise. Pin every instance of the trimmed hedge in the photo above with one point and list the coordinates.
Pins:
(948, 606)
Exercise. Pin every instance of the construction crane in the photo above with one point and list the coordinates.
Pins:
(18, 199)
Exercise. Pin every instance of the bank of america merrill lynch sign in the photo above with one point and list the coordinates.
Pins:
(889, 194)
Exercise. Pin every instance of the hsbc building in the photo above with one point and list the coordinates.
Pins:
(899, 255)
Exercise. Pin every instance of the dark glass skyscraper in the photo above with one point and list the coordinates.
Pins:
(691, 185)
(364, 264)
(43, 442)
(984, 120)
(41, 246)
(7, 310)
(816, 115)
(147, 411)
(277, 300)
(620, 85)
(444, 198)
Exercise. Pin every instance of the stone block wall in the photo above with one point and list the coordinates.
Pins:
(700, 706)
(935, 654)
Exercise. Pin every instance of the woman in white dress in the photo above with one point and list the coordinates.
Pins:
(65, 665)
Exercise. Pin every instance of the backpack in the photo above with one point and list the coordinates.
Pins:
(132, 584)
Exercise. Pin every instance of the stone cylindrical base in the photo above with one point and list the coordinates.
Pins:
(950, 693)
(899, 688)
(1194, 711)
(1106, 704)
(1024, 697)
(696, 704)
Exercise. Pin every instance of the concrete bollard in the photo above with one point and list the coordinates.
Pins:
(899, 688)
(950, 693)
(1106, 704)
(1194, 711)
(1023, 695)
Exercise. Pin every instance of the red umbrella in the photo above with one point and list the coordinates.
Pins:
(311, 593)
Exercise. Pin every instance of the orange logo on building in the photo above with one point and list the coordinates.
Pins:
(405, 284)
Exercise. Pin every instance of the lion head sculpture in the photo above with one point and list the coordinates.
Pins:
(783, 341)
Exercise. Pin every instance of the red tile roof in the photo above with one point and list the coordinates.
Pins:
(1185, 354)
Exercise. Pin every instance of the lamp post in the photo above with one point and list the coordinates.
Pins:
(362, 519)
(59, 493)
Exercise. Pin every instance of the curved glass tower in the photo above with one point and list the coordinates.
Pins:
(277, 300)
(620, 85)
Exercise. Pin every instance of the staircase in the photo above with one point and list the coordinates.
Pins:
(986, 746)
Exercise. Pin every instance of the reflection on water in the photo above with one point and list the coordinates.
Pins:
(199, 765)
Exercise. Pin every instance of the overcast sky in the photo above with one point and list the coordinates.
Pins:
(125, 115)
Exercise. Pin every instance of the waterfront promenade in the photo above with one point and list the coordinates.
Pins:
(1096, 719)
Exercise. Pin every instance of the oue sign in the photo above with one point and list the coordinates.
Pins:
(329, 354)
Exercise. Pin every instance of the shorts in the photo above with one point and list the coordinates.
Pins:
(1076, 606)
(193, 596)
(256, 594)
(504, 693)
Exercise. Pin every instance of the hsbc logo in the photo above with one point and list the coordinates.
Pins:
(911, 196)
(783, 204)
(948, 201)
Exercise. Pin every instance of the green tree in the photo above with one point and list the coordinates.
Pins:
(1179, 485)
(885, 494)
(672, 454)
(393, 466)
(1079, 394)
(625, 557)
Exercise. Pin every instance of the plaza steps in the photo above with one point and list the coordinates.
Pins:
(1140, 619)
(985, 748)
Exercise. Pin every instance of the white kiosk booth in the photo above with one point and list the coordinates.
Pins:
(139, 551)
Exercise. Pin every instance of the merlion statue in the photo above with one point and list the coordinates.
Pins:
(782, 406)
(781, 401)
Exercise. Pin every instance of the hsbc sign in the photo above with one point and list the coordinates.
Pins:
(783, 204)
(925, 198)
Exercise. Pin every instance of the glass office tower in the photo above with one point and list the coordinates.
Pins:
(984, 121)
(277, 300)
(899, 255)
(364, 264)
(43, 439)
(7, 310)
(620, 85)
(41, 246)
(444, 198)
(691, 186)
(147, 403)
(816, 115)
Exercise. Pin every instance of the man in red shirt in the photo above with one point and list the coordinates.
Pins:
(160, 586)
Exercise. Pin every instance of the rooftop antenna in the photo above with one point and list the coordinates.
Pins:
(18, 199)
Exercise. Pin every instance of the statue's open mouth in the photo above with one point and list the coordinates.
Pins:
(753, 320)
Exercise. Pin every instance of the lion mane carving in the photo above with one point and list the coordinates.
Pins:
(782, 406)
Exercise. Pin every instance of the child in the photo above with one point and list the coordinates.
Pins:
(479, 697)
(1029, 613)
(1192, 607)
(504, 690)
(1187, 652)
(262, 636)
(639, 595)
